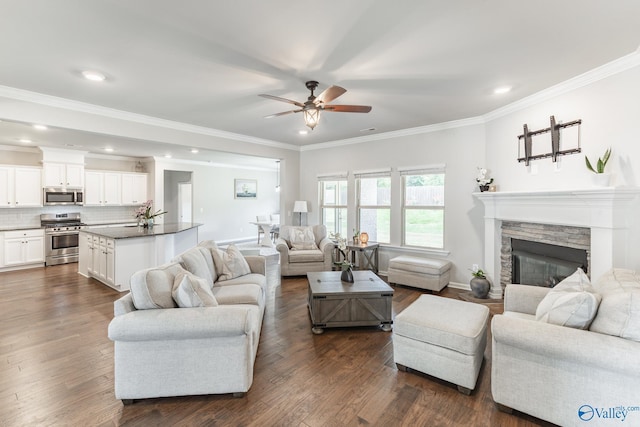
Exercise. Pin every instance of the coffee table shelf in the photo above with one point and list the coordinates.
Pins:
(333, 303)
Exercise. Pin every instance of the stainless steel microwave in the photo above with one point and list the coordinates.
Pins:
(62, 196)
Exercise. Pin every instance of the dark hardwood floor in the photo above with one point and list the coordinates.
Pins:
(56, 367)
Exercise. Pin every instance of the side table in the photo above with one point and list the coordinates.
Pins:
(367, 255)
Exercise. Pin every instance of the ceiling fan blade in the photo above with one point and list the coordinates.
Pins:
(329, 94)
(347, 108)
(277, 98)
(284, 113)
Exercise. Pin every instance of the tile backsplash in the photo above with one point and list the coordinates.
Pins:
(30, 217)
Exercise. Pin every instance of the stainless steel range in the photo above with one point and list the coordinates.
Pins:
(61, 237)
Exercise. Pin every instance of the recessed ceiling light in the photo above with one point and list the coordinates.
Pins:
(168, 156)
(194, 150)
(303, 132)
(25, 141)
(94, 76)
(40, 127)
(501, 90)
(108, 149)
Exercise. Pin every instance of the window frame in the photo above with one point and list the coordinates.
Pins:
(359, 207)
(322, 203)
(429, 170)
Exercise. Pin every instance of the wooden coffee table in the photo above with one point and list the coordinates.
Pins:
(333, 303)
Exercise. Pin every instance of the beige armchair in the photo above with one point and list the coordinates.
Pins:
(304, 249)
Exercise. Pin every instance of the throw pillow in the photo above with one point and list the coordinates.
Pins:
(303, 239)
(571, 303)
(190, 290)
(230, 263)
(151, 288)
(619, 315)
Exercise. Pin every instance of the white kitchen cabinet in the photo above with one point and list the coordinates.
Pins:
(23, 247)
(20, 187)
(63, 175)
(110, 266)
(102, 188)
(97, 258)
(28, 187)
(134, 188)
(6, 187)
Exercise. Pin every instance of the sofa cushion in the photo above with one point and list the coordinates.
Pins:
(570, 303)
(239, 294)
(619, 315)
(314, 255)
(230, 263)
(251, 278)
(151, 288)
(617, 280)
(302, 238)
(190, 290)
(199, 261)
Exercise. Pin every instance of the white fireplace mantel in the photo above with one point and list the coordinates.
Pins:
(610, 212)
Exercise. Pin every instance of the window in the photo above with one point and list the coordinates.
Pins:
(374, 206)
(423, 208)
(333, 205)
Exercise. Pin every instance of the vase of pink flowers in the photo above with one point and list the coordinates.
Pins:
(146, 215)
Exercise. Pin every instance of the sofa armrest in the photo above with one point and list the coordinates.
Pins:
(574, 346)
(257, 264)
(183, 323)
(283, 249)
(123, 305)
(523, 298)
(327, 247)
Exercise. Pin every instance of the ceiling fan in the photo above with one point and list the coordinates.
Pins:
(312, 107)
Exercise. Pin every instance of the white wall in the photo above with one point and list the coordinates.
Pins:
(609, 109)
(461, 150)
(224, 217)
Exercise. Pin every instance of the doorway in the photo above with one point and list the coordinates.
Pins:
(185, 202)
(178, 196)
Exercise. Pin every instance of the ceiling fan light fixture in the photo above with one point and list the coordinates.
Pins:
(311, 117)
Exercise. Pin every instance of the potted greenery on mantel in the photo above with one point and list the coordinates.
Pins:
(601, 178)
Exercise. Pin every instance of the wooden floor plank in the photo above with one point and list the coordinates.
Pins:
(56, 367)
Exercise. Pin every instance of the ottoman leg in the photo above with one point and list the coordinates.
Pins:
(464, 390)
(503, 408)
(402, 367)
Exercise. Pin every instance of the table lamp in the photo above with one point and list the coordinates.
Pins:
(300, 206)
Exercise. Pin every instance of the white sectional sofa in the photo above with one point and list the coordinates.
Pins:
(566, 375)
(167, 345)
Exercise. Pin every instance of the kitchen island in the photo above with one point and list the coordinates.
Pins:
(111, 255)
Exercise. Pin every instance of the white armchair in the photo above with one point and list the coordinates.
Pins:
(304, 249)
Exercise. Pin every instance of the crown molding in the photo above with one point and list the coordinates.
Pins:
(165, 161)
(20, 148)
(396, 133)
(83, 107)
(609, 69)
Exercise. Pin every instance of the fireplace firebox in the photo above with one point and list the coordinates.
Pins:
(543, 264)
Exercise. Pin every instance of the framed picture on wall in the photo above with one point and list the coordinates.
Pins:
(246, 188)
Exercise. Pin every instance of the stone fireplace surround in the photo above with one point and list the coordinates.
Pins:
(611, 214)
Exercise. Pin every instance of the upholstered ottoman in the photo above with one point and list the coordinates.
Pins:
(424, 273)
(442, 337)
